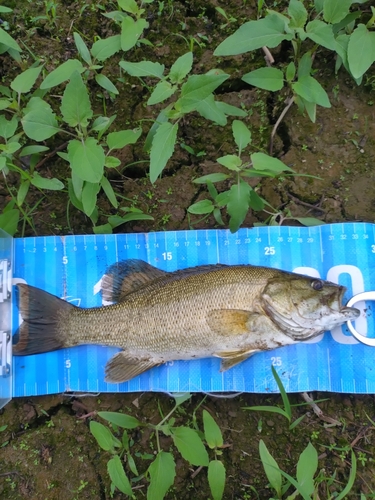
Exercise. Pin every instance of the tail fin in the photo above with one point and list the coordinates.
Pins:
(42, 314)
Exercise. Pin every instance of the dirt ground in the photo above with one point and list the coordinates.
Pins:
(47, 450)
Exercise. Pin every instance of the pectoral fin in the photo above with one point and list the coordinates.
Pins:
(229, 322)
(233, 358)
(123, 367)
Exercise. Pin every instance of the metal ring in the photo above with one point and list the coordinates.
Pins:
(358, 298)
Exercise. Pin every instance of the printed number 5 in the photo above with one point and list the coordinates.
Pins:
(276, 361)
(269, 251)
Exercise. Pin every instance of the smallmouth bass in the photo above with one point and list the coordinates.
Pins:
(230, 312)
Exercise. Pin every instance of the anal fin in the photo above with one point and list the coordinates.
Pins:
(123, 367)
(233, 358)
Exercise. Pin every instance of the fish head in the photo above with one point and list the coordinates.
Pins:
(303, 307)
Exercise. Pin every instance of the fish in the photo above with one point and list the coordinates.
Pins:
(228, 312)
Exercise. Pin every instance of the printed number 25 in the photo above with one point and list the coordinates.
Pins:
(276, 361)
(269, 251)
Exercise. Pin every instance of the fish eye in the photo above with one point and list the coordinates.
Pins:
(317, 285)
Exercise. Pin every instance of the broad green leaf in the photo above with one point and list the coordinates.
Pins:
(72, 196)
(143, 68)
(62, 73)
(107, 188)
(120, 419)
(216, 478)
(310, 108)
(196, 89)
(82, 48)
(89, 197)
(319, 4)
(361, 50)
(24, 81)
(306, 468)
(10, 148)
(217, 177)
(321, 33)
(212, 432)
(309, 221)
(238, 204)
(75, 104)
(106, 440)
(105, 48)
(304, 65)
(209, 110)
(190, 445)
(180, 397)
(255, 201)
(161, 118)
(103, 229)
(181, 67)
(86, 159)
(241, 134)
(31, 150)
(253, 35)
(118, 477)
(335, 10)
(265, 78)
(9, 221)
(40, 122)
(115, 220)
(22, 192)
(230, 110)
(4, 104)
(162, 473)
(162, 91)
(118, 140)
(112, 162)
(8, 127)
(105, 83)
(131, 31)
(162, 148)
(290, 72)
(128, 6)
(77, 184)
(201, 207)
(271, 468)
(350, 18)
(298, 14)
(261, 161)
(311, 90)
(8, 41)
(44, 183)
(5, 10)
(232, 162)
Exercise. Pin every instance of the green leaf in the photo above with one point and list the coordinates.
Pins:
(162, 91)
(10, 147)
(238, 204)
(131, 31)
(253, 35)
(311, 90)
(298, 13)
(196, 89)
(118, 477)
(361, 50)
(107, 188)
(201, 207)
(217, 177)
(261, 161)
(128, 6)
(230, 110)
(162, 473)
(22, 192)
(89, 197)
(103, 49)
(232, 162)
(106, 440)
(24, 81)
(75, 104)
(9, 221)
(44, 183)
(120, 419)
(256, 202)
(118, 140)
(82, 48)
(321, 33)
(62, 73)
(40, 122)
(112, 162)
(269, 409)
(86, 159)
(4, 104)
(8, 127)
(306, 468)
(115, 220)
(143, 68)
(212, 432)
(5, 10)
(309, 221)
(31, 150)
(77, 184)
(304, 65)
(181, 67)
(8, 41)
(209, 110)
(105, 83)
(265, 78)
(216, 478)
(335, 10)
(290, 71)
(352, 477)
(162, 148)
(271, 468)
(241, 134)
(190, 445)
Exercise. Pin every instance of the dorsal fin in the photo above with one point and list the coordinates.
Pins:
(127, 276)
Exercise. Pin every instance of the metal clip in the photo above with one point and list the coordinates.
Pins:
(5, 354)
(354, 300)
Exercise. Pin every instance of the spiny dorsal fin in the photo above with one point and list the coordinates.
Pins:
(126, 277)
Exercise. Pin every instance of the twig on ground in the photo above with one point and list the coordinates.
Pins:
(289, 102)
